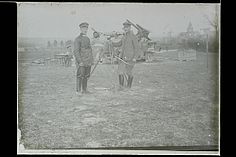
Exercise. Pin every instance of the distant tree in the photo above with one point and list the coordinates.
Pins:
(190, 29)
(214, 22)
(49, 44)
(62, 44)
(55, 43)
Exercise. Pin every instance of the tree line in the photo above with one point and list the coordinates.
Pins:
(55, 44)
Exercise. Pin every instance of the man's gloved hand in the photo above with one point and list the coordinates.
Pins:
(120, 56)
(97, 58)
(81, 64)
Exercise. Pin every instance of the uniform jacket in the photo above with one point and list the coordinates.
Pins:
(83, 51)
(143, 46)
(130, 47)
(97, 48)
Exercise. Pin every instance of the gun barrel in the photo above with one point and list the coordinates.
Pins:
(93, 29)
(133, 24)
(143, 29)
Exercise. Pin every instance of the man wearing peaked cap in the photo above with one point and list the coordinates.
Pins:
(129, 53)
(84, 58)
(126, 23)
(84, 24)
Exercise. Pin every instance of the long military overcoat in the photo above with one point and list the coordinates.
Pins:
(83, 51)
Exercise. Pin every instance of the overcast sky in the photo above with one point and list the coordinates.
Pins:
(62, 20)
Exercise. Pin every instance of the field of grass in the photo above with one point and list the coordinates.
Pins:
(171, 103)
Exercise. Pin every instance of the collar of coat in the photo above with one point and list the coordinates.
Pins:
(129, 32)
(83, 35)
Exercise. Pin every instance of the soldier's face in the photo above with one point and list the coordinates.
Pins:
(84, 30)
(95, 35)
(127, 28)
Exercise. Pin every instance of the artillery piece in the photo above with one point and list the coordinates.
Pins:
(108, 35)
(112, 45)
(142, 32)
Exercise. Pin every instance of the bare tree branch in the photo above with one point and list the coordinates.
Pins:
(212, 23)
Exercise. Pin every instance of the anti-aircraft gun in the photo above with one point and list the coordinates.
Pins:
(148, 46)
(108, 35)
(142, 32)
(111, 43)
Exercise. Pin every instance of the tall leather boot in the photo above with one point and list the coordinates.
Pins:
(78, 84)
(121, 80)
(130, 80)
(84, 85)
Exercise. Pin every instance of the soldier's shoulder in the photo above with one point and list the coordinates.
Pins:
(78, 38)
(123, 37)
(132, 34)
(86, 37)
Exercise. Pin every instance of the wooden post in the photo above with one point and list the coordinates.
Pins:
(112, 65)
(206, 31)
(207, 49)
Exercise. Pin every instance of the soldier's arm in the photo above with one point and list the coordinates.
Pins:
(93, 42)
(119, 43)
(122, 47)
(77, 47)
(89, 44)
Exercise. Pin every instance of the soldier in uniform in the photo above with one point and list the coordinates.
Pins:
(129, 53)
(84, 59)
(97, 47)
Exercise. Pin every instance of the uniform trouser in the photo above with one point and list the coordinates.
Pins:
(68, 61)
(82, 75)
(125, 69)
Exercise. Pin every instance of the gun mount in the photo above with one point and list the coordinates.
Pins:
(142, 32)
(111, 45)
(108, 35)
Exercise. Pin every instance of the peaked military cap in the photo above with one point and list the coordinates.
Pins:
(126, 23)
(84, 24)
